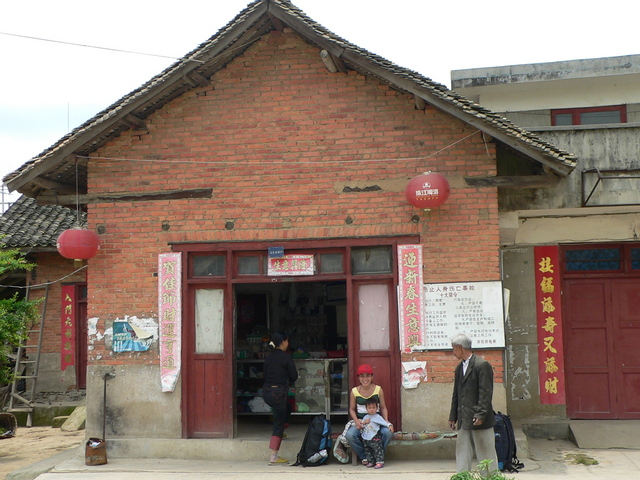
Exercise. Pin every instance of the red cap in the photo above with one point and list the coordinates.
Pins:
(364, 368)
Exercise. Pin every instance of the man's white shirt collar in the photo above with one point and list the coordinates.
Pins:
(465, 364)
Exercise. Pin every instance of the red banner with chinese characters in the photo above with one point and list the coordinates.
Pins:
(549, 315)
(291, 265)
(170, 318)
(68, 327)
(410, 297)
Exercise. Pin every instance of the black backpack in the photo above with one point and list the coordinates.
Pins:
(506, 444)
(316, 444)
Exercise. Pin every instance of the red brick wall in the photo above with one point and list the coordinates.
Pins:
(441, 365)
(51, 267)
(274, 135)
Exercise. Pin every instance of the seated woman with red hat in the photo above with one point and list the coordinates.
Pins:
(358, 409)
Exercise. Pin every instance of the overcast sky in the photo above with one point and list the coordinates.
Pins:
(48, 89)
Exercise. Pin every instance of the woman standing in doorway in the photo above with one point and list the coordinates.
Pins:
(279, 373)
(358, 409)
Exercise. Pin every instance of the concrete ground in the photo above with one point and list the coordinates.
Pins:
(546, 453)
(548, 460)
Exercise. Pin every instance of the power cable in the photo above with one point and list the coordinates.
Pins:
(99, 48)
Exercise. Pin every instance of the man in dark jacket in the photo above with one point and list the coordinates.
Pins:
(471, 408)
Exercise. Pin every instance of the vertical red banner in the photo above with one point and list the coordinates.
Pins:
(170, 317)
(410, 297)
(549, 316)
(68, 327)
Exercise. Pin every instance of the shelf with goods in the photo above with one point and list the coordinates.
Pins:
(315, 391)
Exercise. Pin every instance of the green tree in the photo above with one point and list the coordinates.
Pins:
(16, 315)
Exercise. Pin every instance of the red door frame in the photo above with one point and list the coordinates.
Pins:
(207, 375)
(385, 363)
(232, 250)
(621, 326)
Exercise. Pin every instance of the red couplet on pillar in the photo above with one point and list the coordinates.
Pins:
(428, 190)
(78, 244)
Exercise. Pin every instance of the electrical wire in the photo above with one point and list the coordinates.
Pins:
(45, 283)
(99, 48)
(271, 162)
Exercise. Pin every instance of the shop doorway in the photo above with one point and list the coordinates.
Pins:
(341, 313)
(314, 316)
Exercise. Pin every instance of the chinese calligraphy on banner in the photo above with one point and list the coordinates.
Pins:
(170, 318)
(549, 315)
(410, 314)
(474, 308)
(291, 265)
(68, 327)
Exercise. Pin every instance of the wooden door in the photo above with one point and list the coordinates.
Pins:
(373, 339)
(625, 306)
(602, 358)
(207, 373)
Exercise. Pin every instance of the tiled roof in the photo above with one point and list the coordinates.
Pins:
(26, 224)
(232, 40)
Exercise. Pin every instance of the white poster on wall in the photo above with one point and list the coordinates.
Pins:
(474, 308)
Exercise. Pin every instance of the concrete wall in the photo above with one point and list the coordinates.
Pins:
(567, 84)
(427, 406)
(135, 405)
(521, 363)
(603, 148)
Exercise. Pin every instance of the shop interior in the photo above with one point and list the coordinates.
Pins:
(314, 316)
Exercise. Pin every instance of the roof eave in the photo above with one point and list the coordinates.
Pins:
(216, 52)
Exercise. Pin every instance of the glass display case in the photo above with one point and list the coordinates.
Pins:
(322, 387)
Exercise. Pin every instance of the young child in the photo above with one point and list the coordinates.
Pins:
(371, 436)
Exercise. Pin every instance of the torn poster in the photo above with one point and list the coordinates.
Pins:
(130, 338)
(413, 373)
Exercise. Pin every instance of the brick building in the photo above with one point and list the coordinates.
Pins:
(33, 229)
(276, 134)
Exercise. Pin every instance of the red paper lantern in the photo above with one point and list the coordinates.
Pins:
(428, 190)
(78, 243)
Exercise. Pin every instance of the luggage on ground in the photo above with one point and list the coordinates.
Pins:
(316, 444)
(506, 444)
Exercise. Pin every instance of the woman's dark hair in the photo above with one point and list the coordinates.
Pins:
(277, 339)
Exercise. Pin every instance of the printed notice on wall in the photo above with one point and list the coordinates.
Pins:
(474, 308)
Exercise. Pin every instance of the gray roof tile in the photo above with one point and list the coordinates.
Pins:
(26, 224)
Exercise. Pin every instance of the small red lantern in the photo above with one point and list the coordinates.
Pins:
(427, 191)
(78, 243)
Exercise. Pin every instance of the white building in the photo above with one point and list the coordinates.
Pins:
(591, 218)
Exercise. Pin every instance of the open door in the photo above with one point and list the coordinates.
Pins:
(374, 339)
(209, 356)
(81, 336)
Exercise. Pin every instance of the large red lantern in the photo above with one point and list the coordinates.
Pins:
(78, 243)
(427, 191)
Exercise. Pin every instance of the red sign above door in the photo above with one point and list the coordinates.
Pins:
(291, 265)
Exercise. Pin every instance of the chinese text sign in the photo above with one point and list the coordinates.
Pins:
(291, 265)
(68, 327)
(170, 317)
(549, 316)
(410, 312)
(473, 308)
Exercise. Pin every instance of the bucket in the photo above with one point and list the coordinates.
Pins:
(95, 452)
